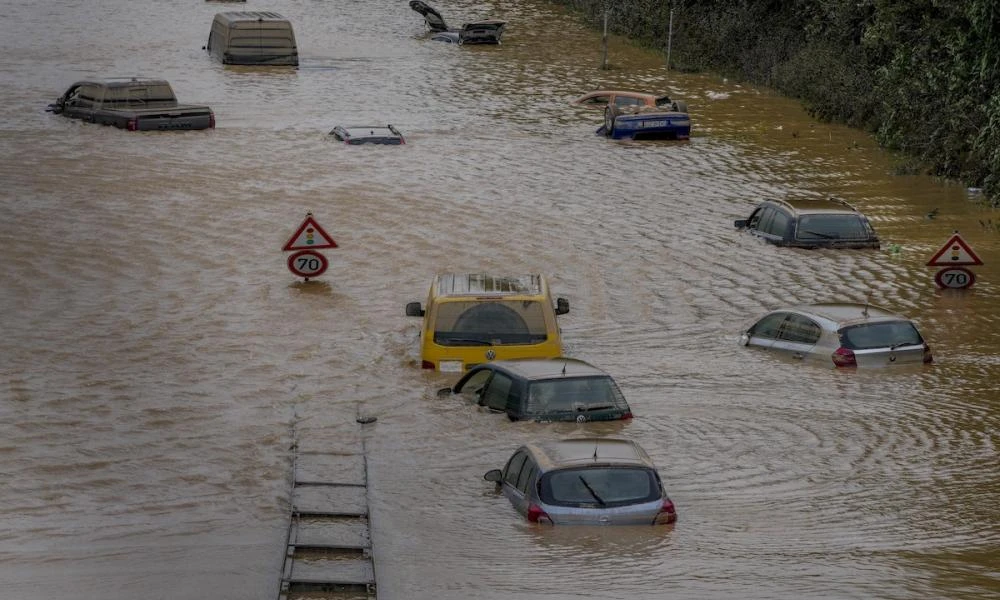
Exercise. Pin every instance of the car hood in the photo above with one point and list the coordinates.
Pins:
(433, 18)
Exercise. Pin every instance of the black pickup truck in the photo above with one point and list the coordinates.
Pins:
(133, 104)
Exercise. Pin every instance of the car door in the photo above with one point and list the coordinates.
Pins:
(764, 333)
(472, 385)
(496, 392)
(510, 477)
(797, 336)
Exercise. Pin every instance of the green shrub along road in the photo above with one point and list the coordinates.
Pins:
(921, 75)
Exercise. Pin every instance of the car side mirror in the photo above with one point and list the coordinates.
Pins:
(447, 391)
(740, 223)
(745, 339)
(413, 309)
(562, 306)
(494, 475)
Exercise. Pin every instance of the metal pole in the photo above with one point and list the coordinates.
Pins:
(670, 36)
(604, 42)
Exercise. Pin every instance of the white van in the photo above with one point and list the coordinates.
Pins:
(252, 38)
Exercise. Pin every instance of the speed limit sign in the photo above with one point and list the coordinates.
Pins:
(954, 278)
(307, 263)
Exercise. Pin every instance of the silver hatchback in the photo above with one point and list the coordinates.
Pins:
(585, 481)
(844, 334)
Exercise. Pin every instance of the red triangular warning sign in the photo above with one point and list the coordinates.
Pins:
(309, 235)
(955, 252)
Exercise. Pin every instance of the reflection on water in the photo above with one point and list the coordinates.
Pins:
(157, 351)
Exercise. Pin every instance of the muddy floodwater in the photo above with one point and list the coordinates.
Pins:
(158, 360)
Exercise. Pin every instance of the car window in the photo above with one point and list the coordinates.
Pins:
(880, 335)
(798, 328)
(597, 100)
(574, 394)
(769, 327)
(474, 382)
(767, 215)
(512, 471)
(489, 323)
(603, 486)
(834, 226)
(627, 101)
(527, 472)
(778, 224)
(497, 390)
(754, 219)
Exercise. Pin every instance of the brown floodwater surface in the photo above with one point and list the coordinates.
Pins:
(158, 360)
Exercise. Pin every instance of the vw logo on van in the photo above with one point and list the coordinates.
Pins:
(490, 354)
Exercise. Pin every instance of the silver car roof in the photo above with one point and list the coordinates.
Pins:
(549, 368)
(843, 314)
(589, 451)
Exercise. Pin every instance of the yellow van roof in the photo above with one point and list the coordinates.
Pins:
(465, 284)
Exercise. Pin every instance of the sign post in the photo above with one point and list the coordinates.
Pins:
(306, 261)
(954, 256)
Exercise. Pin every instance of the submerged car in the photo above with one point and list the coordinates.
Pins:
(475, 318)
(585, 481)
(810, 222)
(488, 31)
(368, 134)
(561, 389)
(639, 115)
(841, 334)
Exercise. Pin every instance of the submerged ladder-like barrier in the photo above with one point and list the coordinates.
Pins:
(328, 546)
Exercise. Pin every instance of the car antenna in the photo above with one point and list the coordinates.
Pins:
(868, 299)
(595, 449)
(564, 368)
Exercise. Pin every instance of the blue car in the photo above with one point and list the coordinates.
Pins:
(643, 122)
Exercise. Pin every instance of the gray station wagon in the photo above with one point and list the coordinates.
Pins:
(557, 389)
(844, 334)
(585, 481)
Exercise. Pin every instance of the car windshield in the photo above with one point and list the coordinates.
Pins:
(575, 394)
(494, 322)
(600, 486)
(833, 227)
(886, 334)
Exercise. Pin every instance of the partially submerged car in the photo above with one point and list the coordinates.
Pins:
(585, 481)
(368, 134)
(131, 103)
(475, 318)
(639, 115)
(488, 31)
(559, 389)
(810, 222)
(840, 334)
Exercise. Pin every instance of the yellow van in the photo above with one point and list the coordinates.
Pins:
(473, 318)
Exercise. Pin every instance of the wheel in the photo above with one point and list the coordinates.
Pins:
(609, 121)
(680, 106)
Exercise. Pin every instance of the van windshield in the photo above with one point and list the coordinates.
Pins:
(599, 486)
(574, 394)
(493, 322)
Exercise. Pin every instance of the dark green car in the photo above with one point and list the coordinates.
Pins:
(557, 389)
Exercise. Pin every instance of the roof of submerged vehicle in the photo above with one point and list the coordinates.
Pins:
(848, 313)
(253, 16)
(816, 204)
(467, 284)
(549, 368)
(118, 82)
(587, 451)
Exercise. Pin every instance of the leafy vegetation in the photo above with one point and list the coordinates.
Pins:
(921, 75)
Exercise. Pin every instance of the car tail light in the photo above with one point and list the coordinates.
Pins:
(928, 357)
(667, 514)
(132, 125)
(537, 515)
(842, 357)
(627, 415)
(426, 364)
(211, 120)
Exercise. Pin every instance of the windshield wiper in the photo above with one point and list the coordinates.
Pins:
(594, 407)
(829, 236)
(467, 341)
(898, 344)
(592, 492)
